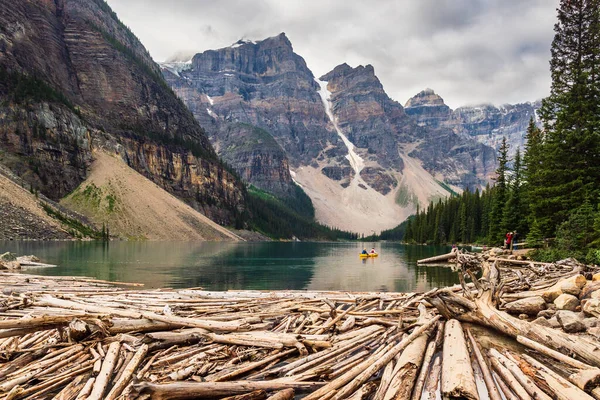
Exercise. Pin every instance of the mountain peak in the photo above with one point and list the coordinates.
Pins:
(425, 97)
(278, 40)
(344, 70)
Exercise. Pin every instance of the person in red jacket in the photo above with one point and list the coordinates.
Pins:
(509, 237)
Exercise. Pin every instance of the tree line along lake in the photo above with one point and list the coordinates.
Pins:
(248, 266)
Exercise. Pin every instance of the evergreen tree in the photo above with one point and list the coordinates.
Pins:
(578, 231)
(531, 169)
(463, 229)
(569, 169)
(515, 210)
(499, 196)
(534, 238)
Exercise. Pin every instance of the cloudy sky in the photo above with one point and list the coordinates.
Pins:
(468, 51)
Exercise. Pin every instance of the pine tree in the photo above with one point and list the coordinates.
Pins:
(534, 238)
(578, 231)
(531, 169)
(499, 195)
(462, 215)
(513, 218)
(569, 168)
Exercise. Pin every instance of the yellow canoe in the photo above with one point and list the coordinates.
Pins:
(368, 255)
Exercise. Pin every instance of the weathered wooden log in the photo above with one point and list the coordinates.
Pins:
(138, 325)
(105, 373)
(586, 379)
(86, 389)
(551, 293)
(285, 394)
(70, 391)
(443, 257)
(227, 375)
(424, 373)
(458, 380)
(509, 379)
(559, 387)
(194, 390)
(408, 364)
(122, 382)
(525, 381)
(384, 383)
(40, 322)
(493, 391)
(362, 372)
(508, 394)
(255, 395)
(432, 384)
(218, 326)
(363, 392)
(552, 353)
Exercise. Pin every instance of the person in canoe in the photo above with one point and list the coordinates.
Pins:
(372, 250)
(364, 251)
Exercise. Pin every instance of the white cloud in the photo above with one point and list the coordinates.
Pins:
(468, 51)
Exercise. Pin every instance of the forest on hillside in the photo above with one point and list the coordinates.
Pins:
(549, 193)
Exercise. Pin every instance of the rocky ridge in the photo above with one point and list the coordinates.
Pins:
(485, 123)
(75, 79)
(367, 138)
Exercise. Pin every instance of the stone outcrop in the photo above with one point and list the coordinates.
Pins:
(489, 124)
(367, 116)
(428, 109)
(485, 123)
(256, 156)
(90, 83)
(379, 179)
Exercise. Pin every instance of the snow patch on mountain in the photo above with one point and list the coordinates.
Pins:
(356, 161)
(176, 67)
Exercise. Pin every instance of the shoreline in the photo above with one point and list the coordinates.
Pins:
(121, 340)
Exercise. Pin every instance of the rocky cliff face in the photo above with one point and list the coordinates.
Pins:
(264, 84)
(256, 156)
(428, 109)
(368, 117)
(389, 133)
(348, 144)
(489, 124)
(77, 78)
(486, 123)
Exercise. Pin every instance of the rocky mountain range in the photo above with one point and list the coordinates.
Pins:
(485, 123)
(74, 80)
(364, 159)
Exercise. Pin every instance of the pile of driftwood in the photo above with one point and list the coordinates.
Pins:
(79, 338)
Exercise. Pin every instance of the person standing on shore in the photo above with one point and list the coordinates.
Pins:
(509, 236)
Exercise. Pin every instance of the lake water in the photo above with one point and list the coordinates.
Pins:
(262, 266)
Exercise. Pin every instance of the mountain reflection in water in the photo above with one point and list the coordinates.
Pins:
(234, 266)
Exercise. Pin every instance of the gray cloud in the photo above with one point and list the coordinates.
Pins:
(468, 51)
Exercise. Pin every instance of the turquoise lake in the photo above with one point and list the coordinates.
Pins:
(262, 266)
